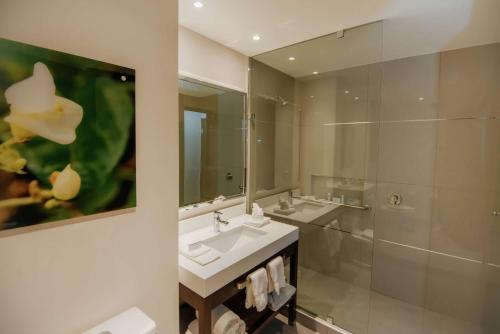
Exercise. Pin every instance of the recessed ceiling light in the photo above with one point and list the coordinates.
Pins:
(198, 4)
(291, 58)
(256, 37)
(346, 92)
(421, 99)
(315, 72)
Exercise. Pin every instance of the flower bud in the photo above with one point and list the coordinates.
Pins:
(67, 184)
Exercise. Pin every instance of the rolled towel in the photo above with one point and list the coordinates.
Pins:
(276, 275)
(256, 292)
(224, 321)
(238, 328)
(194, 250)
(228, 323)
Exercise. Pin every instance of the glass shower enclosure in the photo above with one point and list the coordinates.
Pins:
(393, 167)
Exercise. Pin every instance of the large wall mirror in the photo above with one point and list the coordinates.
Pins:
(212, 142)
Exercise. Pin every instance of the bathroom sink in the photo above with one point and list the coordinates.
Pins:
(227, 241)
(307, 207)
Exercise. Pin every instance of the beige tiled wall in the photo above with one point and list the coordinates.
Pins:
(439, 150)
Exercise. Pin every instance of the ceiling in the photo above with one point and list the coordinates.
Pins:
(410, 26)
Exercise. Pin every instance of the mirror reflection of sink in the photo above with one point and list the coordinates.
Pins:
(307, 207)
(233, 239)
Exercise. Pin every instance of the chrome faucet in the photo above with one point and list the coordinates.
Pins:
(218, 221)
(290, 198)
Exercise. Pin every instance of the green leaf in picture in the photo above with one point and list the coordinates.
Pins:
(44, 157)
(132, 197)
(104, 132)
(98, 198)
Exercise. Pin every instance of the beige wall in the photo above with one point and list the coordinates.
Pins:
(205, 60)
(67, 279)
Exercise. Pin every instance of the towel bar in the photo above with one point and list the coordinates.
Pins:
(241, 285)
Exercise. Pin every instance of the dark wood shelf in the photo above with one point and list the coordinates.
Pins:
(234, 299)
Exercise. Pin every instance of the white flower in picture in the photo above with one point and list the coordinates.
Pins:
(66, 184)
(36, 110)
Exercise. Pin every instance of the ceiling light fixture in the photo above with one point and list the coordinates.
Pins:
(315, 72)
(198, 4)
(256, 37)
(291, 58)
(346, 92)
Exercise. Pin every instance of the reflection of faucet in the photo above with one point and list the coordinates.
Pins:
(218, 221)
(290, 198)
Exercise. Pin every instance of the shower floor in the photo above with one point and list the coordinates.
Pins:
(362, 311)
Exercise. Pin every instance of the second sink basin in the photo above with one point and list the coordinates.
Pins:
(308, 207)
(233, 239)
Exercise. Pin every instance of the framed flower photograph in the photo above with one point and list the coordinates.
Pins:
(67, 136)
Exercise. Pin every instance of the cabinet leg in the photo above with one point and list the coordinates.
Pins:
(205, 320)
(294, 266)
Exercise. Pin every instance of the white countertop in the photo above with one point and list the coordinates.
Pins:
(205, 280)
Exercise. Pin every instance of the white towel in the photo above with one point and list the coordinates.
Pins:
(194, 250)
(257, 222)
(206, 258)
(256, 293)
(224, 321)
(276, 273)
(239, 328)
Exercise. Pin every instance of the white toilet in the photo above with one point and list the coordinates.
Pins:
(132, 321)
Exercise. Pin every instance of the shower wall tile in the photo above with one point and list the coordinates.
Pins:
(399, 272)
(388, 316)
(459, 222)
(491, 304)
(454, 287)
(410, 88)
(318, 100)
(407, 152)
(465, 154)
(469, 82)
(436, 323)
(408, 223)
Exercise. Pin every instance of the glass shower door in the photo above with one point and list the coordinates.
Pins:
(315, 109)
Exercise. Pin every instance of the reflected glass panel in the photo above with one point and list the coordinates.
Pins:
(212, 144)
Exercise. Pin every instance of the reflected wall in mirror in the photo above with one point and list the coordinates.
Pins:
(212, 142)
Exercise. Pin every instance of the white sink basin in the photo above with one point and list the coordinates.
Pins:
(228, 241)
(307, 207)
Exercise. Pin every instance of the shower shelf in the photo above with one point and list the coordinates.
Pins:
(364, 207)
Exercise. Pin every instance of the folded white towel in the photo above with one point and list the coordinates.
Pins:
(276, 272)
(194, 250)
(256, 292)
(206, 258)
(257, 222)
(277, 301)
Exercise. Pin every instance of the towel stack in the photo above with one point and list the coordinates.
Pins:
(224, 321)
(268, 287)
(199, 253)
